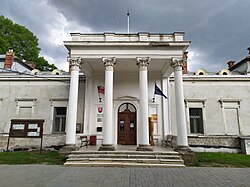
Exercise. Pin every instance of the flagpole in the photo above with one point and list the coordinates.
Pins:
(99, 94)
(128, 20)
(154, 95)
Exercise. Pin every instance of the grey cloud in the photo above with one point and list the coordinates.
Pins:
(218, 29)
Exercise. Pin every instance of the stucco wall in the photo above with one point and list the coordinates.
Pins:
(45, 93)
(211, 90)
(126, 89)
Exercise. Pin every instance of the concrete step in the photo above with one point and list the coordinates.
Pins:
(123, 156)
(151, 161)
(125, 159)
(116, 164)
(126, 152)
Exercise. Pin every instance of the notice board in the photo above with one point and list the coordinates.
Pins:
(26, 128)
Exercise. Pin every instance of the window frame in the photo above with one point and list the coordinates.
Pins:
(198, 109)
(229, 103)
(25, 103)
(196, 103)
(54, 120)
(58, 102)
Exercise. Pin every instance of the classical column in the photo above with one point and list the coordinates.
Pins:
(182, 141)
(143, 63)
(108, 139)
(73, 96)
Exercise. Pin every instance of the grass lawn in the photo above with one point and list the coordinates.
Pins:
(53, 157)
(32, 157)
(222, 160)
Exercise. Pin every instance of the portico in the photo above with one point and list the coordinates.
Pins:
(127, 66)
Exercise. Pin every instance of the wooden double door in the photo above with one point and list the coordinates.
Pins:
(127, 127)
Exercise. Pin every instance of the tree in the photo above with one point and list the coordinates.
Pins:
(24, 43)
(43, 65)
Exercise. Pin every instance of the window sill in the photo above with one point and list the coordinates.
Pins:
(58, 133)
(195, 135)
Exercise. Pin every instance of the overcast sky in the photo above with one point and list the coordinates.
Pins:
(218, 29)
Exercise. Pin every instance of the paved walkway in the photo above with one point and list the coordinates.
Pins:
(43, 175)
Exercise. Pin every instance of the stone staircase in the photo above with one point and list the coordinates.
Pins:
(124, 159)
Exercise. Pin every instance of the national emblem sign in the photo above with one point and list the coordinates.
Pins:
(100, 109)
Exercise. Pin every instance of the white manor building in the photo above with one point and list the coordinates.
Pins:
(202, 109)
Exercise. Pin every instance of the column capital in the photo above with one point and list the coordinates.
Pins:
(75, 63)
(143, 62)
(109, 62)
(176, 62)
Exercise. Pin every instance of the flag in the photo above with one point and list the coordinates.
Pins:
(159, 92)
(100, 89)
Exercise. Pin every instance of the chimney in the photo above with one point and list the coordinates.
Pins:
(184, 69)
(230, 64)
(248, 51)
(9, 59)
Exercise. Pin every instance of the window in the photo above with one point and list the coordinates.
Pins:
(196, 115)
(196, 120)
(59, 119)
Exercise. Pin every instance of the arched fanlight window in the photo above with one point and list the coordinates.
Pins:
(127, 107)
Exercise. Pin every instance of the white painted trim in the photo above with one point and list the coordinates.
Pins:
(25, 102)
(166, 124)
(231, 103)
(88, 106)
(57, 102)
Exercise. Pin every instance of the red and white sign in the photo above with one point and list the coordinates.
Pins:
(100, 109)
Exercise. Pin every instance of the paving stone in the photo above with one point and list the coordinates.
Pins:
(50, 176)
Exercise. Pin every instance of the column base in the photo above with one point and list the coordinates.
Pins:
(68, 148)
(107, 147)
(181, 148)
(144, 148)
(186, 154)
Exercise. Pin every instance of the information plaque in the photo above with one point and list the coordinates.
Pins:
(26, 128)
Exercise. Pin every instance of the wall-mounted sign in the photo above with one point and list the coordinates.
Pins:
(100, 109)
(154, 118)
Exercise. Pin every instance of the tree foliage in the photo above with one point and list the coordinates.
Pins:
(24, 43)
(43, 64)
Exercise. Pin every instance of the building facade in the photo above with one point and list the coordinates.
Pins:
(128, 67)
(110, 94)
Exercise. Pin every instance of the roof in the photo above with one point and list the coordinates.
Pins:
(18, 60)
(240, 63)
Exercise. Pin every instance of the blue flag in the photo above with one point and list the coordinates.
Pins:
(159, 92)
